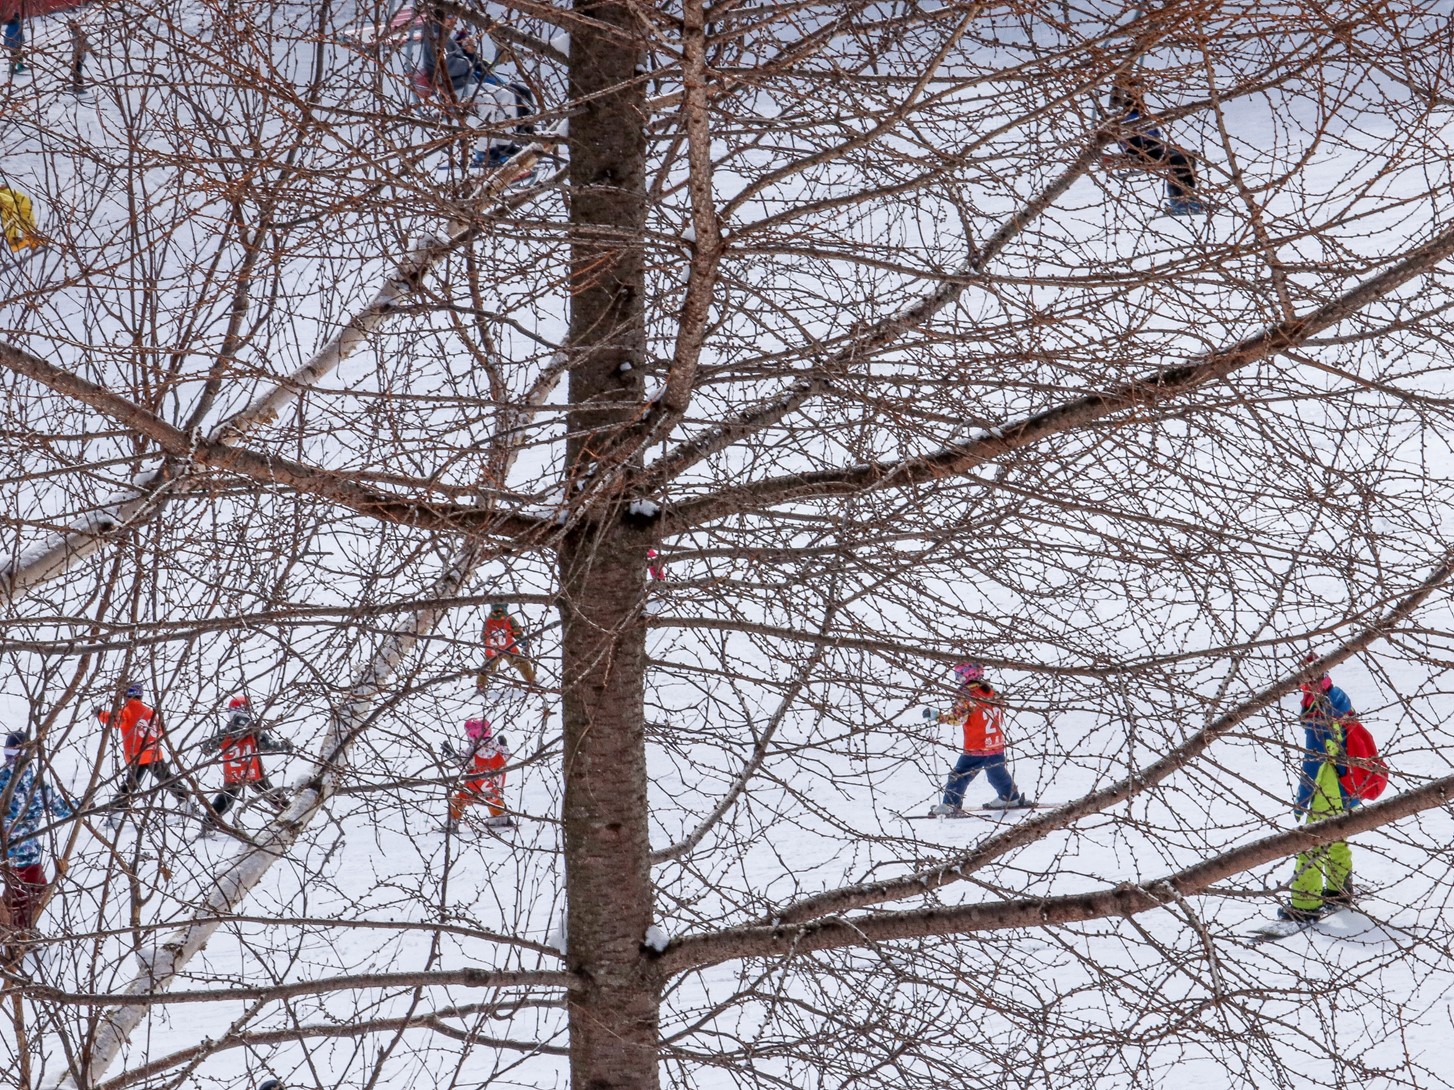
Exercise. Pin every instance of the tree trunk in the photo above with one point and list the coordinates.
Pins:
(614, 1014)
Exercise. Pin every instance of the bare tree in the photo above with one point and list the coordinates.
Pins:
(846, 313)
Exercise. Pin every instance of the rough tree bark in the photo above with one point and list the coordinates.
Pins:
(614, 1013)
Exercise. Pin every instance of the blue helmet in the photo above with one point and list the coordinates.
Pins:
(133, 691)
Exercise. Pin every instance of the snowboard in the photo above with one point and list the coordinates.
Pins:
(987, 812)
(1277, 930)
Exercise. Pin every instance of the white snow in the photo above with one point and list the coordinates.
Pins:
(382, 876)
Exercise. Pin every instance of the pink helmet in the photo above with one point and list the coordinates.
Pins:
(477, 728)
(969, 671)
(1325, 682)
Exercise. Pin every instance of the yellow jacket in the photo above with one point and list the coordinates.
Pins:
(17, 219)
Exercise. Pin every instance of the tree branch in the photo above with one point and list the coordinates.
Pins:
(1127, 899)
(958, 868)
(1155, 388)
(140, 503)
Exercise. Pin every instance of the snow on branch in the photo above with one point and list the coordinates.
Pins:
(195, 451)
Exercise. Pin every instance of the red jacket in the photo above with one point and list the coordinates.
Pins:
(141, 732)
(983, 716)
(484, 763)
(240, 763)
(502, 636)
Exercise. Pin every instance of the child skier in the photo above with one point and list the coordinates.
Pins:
(12, 35)
(240, 745)
(1323, 876)
(484, 763)
(141, 747)
(1144, 147)
(504, 641)
(80, 48)
(17, 221)
(24, 804)
(982, 713)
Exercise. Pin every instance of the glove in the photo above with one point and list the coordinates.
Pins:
(448, 750)
(931, 713)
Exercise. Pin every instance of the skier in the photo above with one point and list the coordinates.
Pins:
(141, 737)
(504, 641)
(24, 802)
(1144, 147)
(239, 745)
(981, 711)
(17, 219)
(1323, 876)
(446, 66)
(12, 36)
(80, 47)
(484, 762)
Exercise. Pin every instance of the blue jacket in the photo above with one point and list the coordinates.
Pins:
(1321, 713)
(25, 811)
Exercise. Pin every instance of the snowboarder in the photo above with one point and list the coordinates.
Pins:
(1323, 876)
(17, 219)
(1145, 148)
(13, 38)
(141, 745)
(484, 762)
(982, 713)
(24, 802)
(240, 745)
(80, 47)
(504, 641)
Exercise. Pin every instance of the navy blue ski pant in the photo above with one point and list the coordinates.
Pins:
(969, 766)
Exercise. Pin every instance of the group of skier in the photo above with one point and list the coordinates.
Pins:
(451, 71)
(1337, 772)
(26, 802)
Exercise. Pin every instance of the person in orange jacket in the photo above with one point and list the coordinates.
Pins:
(484, 763)
(982, 713)
(504, 641)
(240, 746)
(141, 738)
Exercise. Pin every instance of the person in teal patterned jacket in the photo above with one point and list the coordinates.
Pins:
(24, 806)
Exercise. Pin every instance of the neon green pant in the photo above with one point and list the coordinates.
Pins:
(1329, 867)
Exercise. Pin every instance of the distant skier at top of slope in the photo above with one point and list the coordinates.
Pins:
(452, 66)
(1144, 147)
(981, 712)
(1323, 876)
